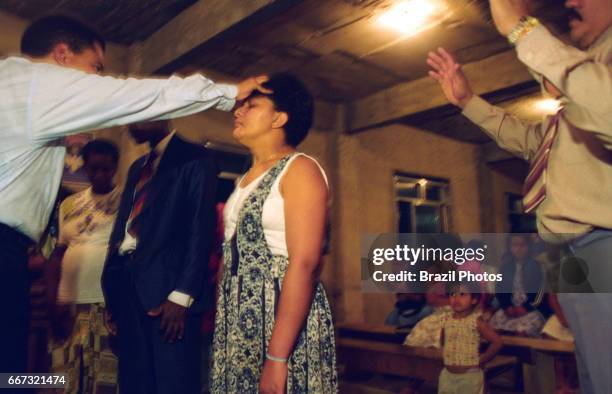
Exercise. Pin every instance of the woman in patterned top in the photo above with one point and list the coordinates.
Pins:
(81, 341)
(273, 329)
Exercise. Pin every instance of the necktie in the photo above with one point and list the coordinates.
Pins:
(140, 194)
(534, 189)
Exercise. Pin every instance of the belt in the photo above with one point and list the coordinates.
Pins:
(584, 240)
(10, 234)
(574, 269)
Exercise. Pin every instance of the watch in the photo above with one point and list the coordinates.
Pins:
(525, 25)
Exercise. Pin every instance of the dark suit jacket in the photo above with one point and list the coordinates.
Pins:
(176, 230)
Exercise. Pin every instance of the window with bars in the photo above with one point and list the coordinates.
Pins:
(422, 203)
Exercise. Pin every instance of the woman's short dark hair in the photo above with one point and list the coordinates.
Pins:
(100, 147)
(291, 96)
(44, 34)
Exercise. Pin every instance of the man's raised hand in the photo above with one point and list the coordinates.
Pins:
(447, 72)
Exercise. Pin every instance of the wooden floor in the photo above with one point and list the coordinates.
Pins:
(381, 384)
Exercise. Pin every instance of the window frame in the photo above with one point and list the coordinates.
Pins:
(443, 204)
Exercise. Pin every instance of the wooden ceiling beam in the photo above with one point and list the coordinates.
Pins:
(191, 29)
(488, 75)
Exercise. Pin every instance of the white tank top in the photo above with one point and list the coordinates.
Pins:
(273, 215)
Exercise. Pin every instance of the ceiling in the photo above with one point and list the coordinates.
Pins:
(120, 21)
(336, 46)
(341, 51)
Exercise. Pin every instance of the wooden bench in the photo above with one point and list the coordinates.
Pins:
(398, 360)
(379, 349)
(390, 334)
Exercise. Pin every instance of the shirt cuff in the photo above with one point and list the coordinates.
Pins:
(228, 100)
(180, 298)
(476, 110)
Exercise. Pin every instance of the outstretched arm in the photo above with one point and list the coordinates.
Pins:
(581, 77)
(509, 132)
(64, 101)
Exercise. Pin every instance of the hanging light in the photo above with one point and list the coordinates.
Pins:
(410, 16)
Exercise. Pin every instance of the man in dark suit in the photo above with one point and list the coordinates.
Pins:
(155, 274)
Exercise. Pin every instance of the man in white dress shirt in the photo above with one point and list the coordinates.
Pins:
(54, 92)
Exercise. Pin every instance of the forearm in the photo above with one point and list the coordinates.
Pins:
(495, 342)
(294, 304)
(581, 78)
(509, 132)
(67, 101)
(490, 353)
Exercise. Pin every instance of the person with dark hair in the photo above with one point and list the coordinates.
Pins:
(41, 37)
(521, 291)
(273, 329)
(462, 330)
(80, 347)
(156, 279)
(99, 147)
(51, 92)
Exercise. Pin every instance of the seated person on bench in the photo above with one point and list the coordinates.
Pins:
(521, 291)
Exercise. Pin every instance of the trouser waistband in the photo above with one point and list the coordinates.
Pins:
(9, 234)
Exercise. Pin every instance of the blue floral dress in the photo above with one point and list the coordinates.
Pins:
(248, 295)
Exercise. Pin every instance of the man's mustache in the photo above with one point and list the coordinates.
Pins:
(571, 13)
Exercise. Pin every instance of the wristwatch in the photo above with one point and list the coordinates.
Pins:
(525, 25)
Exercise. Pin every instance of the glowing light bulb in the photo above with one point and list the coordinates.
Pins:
(547, 105)
(410, 16)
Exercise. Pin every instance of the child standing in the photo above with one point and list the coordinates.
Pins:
(461, 333)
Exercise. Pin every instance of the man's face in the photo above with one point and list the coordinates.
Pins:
(90, 60)
(100, 169)
(519, 247)
(589, 20)
(148, 131)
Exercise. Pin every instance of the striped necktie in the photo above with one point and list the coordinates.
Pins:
(534, 188)
(140, 194)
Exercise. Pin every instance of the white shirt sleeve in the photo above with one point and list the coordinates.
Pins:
(180, 298)
(64, 101)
